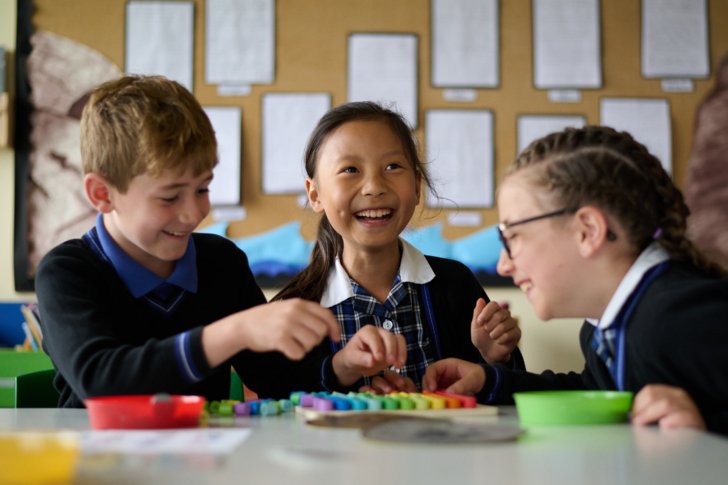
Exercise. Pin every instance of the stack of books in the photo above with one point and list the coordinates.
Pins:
(31, 327)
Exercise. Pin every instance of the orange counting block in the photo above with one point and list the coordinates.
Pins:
(465, 401)
(450, 402)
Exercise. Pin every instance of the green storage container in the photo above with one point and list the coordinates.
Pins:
(13, 364)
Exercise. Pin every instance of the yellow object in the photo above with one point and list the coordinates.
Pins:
(34, 457)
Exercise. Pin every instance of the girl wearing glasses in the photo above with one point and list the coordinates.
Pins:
(398, 310)
(593, 226)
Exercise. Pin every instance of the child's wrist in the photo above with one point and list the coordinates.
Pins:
(344, 375)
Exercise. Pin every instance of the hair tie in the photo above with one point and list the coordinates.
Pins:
(657, 234)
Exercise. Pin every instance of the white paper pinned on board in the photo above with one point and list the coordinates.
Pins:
(159, 40)
(239, 41)
(566, 37)
(459, 146)
(288, 120)
(647, 120)
(531, 127)
(465, 43)
(675, 39)
(383, 68)
(227, 123)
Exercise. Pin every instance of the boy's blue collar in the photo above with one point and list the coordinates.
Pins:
(138, 279)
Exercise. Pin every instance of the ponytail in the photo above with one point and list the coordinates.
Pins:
(310, 283)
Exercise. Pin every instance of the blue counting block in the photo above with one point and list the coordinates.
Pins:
(255, 405)
(341, 403)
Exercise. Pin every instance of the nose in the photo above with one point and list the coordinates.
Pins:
(505, 264)
(194, 210)
(374, 185)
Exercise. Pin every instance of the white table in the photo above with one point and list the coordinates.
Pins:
(285, 450)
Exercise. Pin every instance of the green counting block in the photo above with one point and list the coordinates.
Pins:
(286, 405)
(270, 408)
(389, 403)
(420, 402)
(404, 402)
(296, 398)
(225, 408)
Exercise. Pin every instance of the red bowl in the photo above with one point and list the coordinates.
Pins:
(144, 411)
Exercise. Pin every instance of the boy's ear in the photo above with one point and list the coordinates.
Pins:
(592, 231)
(98, 192)
(313, 195)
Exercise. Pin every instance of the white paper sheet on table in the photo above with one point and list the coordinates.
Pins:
(225, 186)
(214, 441)
(647, 120)
(675, 38)
(465, 43)
(566, 37)
(383, 68)
(459, 146)
(531, 127)
(240, 41)
(159, 40)
(288, 120)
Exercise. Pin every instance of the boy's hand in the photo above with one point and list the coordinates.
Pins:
(292, 327)
(669, 406)
(454, 375)
(390, 381)
(493, 331)
(370, 351)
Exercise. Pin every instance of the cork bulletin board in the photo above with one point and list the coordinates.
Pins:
(311, 57)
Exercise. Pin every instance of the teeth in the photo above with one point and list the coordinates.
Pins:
(178, 234)
(374, 213)
(525, 287)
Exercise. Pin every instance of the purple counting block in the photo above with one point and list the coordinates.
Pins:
(307, 400)
(241, 409)
(322, 404)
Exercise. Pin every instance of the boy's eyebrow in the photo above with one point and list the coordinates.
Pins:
(177, 185)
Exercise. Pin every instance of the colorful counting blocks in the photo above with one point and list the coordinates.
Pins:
(365, 401)
(255, 407)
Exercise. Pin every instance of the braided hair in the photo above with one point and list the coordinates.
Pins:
(610, 169)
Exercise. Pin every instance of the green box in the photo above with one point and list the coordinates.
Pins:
(14, 363)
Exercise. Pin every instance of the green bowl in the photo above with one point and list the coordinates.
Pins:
(572, 407)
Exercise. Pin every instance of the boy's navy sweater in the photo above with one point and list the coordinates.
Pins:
(103, 341)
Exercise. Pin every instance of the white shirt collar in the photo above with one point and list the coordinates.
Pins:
(413, 268)
(653, 255)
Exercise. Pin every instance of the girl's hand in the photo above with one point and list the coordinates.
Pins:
(370, 351)
(669, 406)
(493, 331)
(454, 375)
(390, 381)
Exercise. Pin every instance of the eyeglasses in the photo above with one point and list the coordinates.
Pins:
(503, 226)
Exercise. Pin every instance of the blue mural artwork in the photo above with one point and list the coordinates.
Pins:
(277, 255)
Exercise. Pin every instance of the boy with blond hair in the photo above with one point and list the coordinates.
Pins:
(141, 304)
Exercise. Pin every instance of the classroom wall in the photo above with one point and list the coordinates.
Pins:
(311, 57)
(8, 16)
